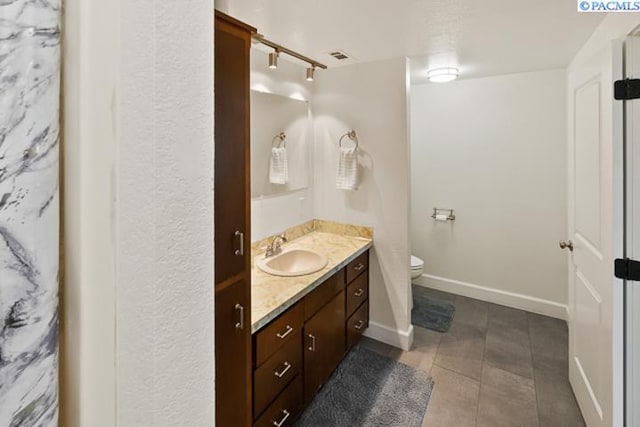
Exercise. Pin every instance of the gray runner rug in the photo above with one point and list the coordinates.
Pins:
(371, 390)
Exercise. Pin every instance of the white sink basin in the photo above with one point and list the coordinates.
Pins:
(293, 262)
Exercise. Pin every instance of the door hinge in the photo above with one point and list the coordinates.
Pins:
(626, 89)
(627, 269)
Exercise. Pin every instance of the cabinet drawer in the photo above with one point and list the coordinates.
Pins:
(357, 266)
(320, 296)
(285, 409)
(278, 332)
(274, 374)
(357, 293)
(357, 323)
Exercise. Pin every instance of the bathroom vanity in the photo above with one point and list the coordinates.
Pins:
(304, 326)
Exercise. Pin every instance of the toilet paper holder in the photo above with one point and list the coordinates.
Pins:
(442, 211)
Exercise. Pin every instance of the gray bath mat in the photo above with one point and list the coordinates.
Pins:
(370, 390)
(429, 312)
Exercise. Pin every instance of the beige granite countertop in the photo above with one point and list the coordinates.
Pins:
(272, 295)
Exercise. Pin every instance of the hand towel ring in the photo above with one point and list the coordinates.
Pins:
(281, 140)
(352, 136)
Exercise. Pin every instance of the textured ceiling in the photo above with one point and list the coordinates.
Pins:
(481, 37)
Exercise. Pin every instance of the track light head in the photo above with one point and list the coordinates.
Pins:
(273, 59)
(310, 72)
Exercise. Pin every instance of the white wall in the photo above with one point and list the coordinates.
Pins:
(138, 154)
(372, 99)
(274, 213)
(493, 149)
(164, 343)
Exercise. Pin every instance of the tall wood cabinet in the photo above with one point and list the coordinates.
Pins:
(232, 222)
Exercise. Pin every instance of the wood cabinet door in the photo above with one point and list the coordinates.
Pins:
(232, 127)
(233, 355)
(324, 345)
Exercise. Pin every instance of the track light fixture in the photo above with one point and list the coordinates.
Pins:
(273, 59)
(310, 72)
(277, 49)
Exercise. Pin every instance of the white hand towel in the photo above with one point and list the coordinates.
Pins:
(347, 176)
(278, 167)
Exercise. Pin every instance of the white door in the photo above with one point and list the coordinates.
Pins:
(595, 193)
(632, 70)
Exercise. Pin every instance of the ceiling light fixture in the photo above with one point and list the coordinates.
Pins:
(273, 59)
(310, 72)
(442, 75)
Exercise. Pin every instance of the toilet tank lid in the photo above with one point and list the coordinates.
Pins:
(416, 262)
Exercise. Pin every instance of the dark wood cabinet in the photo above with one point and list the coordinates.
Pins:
(233, 356)
(357, 293)
(357, 299)
(319, 329)
(285, 409)
(324, 293)
(274, 375)
(232, 128)
(324, 345)
(357, 323)
(232, 223)
(357, 267)
(273, 336)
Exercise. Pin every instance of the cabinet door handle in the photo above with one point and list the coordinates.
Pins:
(282, 421)
(240, 236)
(282, 336)
(240, 310)
(359, 267)
(280, 374)
(312, 347)
(359, 292)
(359, 325)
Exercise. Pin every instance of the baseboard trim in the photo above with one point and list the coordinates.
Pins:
(392, 337)
(496, 296)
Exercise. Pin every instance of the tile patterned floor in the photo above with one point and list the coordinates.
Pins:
(496, 367)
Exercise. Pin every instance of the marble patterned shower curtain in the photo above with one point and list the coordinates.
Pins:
(29, 214)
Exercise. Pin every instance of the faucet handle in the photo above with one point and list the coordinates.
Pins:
(268, 251)
(277, 245)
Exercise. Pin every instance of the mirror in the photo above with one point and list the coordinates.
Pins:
(272, 114)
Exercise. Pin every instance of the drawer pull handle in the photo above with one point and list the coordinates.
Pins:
(240, 236)
(281, 374)
(284, 335)
(359, 267)
(359, 325)
(312, 347)
(359, 292)
(240, 310)
(283, 420)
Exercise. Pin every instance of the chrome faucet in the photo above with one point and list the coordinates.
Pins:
(276, 246)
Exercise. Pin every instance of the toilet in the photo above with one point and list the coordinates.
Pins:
(417, 266)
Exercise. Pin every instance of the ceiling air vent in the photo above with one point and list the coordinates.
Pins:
(339, 55)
